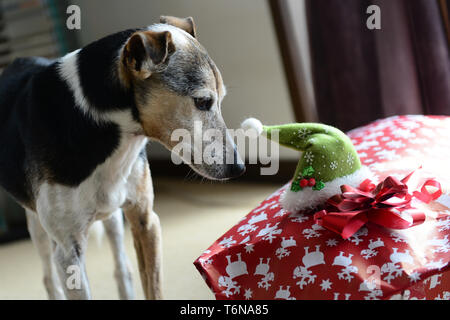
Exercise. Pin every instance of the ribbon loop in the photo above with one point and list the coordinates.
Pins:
(381, 204)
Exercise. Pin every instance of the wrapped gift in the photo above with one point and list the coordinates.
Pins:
(273, 253)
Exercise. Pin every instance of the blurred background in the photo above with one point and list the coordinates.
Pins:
(282, 61)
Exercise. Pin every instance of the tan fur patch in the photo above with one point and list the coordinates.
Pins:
(163, 112)
(146, 231)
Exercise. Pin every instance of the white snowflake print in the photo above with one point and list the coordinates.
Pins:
(387, 154)
(310, 259)
(306, 276)
(370, 286)
(414, 276)
(398, 237)
(362, 154)
(394, 268)
(347, 268)
(265, 206)
(440, 244)
(332, 242)
(248, 248)
(285, 243)
(445, 296)
(282, 252)
(333, 165)
(245, 240)
(298, 217)
(373, 135)
(309, 157)
(250, 226)
(303, 133)
(374, 295)
(246, 228)
(227, 242)
(368, 253)
(436, 264)
(262, 269)
(280, 213)
(410, 125)
(355, 238)
(326, 285)
(231, 287)
(248, 294)
(265, 281)
(276, 205)
(313, 232)
(350, 159)
(269, 232)
(395, 144)
(403, 133)
(206, 261)
(366, 145)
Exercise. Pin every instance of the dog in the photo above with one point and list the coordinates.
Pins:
(73, 133)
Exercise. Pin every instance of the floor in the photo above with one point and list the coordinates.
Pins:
(193, 215)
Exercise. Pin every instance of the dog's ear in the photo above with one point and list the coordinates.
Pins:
(147, 51)
(186, 24)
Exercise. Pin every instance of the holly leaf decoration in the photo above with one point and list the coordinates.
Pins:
(308, 172)
(295, 186)
(319, 185)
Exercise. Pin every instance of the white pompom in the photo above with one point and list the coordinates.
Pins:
(252, 123)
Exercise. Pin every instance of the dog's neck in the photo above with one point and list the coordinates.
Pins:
(91, 73)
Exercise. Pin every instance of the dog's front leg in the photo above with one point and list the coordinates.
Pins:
(114, 231)
(68, 234)
(43, 246)
(146, 230)
(70, 264)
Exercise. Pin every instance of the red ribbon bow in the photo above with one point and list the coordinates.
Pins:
(347, 212)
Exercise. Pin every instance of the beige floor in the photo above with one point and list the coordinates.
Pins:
(193, 216)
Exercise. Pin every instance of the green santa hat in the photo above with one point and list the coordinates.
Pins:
(328, 161)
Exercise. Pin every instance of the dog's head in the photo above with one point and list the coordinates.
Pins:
(178, 86)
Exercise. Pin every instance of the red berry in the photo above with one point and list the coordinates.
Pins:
(312, 182)
(303, 183)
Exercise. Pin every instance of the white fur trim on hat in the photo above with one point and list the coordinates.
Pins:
(309, 198)
(253, 124)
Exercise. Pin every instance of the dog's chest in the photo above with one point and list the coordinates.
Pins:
(104, 191)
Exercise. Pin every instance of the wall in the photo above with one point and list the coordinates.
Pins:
(238, 35)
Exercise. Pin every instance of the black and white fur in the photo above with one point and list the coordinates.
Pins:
(73, 133)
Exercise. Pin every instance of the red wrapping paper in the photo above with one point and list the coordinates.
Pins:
(275, 254)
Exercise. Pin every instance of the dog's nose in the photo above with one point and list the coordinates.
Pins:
(237, 168)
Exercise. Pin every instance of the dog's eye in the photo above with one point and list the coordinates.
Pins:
(203, 104)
